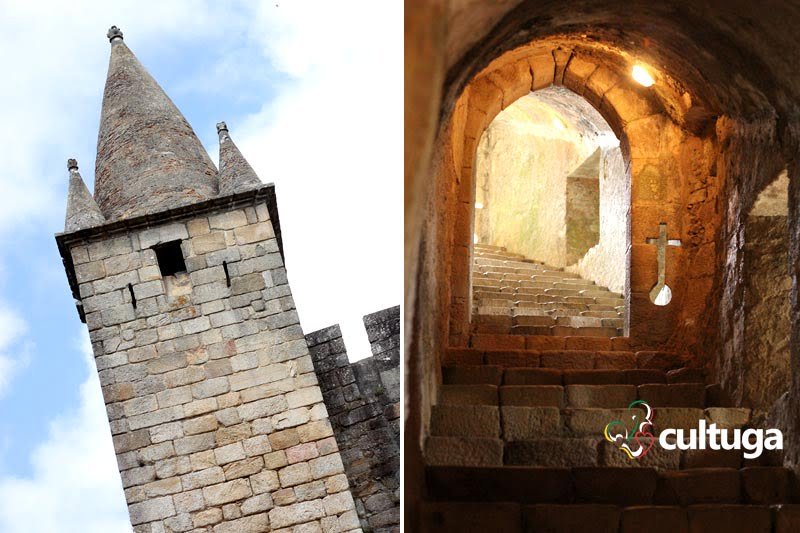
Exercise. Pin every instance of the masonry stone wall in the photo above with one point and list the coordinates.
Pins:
(217, 418)
(363, 399)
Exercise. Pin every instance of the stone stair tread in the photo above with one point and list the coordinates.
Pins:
(471, 516)
(620, 486)
(641, 366)
(593, 450)
(563, 295)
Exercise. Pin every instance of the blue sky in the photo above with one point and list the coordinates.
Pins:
(311, 93)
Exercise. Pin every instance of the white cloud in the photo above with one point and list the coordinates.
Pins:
(75, 485)
(13, 355)
(331, 142)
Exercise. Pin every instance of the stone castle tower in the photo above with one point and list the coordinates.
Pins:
(177, 269)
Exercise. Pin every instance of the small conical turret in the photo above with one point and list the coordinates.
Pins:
(148, 157)
(82, 210)
(235, 173)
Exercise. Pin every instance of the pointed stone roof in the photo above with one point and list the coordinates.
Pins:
(235, 173)
(148, 157)
(82, 210)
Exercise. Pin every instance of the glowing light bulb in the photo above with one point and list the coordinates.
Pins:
(641, 75)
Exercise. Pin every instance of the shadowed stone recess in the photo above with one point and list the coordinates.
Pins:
(235, 173)
(148, 156)
(82, 210)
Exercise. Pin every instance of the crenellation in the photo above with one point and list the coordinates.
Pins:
(362, 400)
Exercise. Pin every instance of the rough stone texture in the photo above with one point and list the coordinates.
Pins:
(582, 219)
(82, 210)
(211, 392)
(763, 366)
(148, 156)
(363, 402)
(235, 173)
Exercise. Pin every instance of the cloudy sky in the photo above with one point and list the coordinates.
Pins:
(311, 93)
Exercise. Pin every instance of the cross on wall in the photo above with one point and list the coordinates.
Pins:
(661, 243)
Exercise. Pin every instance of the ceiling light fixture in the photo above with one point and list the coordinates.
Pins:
(641, 75)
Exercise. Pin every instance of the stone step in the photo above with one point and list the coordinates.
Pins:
(620, 486)
(503, 256)
(569, 283)
(501, 326)
(596, 292)
(548, 342)
(587, 331)
(550, 417)
(671, 364)
(568, 452)
(600, 314)
(580, 321)
(550, 392)
(487, 247)
(533, 320)
(461, 517)
(564, 292)
(485, 309)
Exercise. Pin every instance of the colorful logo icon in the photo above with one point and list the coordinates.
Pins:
(635, 438)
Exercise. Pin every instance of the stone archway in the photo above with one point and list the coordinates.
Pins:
(551, 187)
(668, 165)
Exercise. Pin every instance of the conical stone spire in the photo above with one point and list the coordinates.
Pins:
(235, 173)
(148, 157)
(82, 210)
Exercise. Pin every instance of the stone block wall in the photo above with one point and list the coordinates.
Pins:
(363, 401)
(217, 418)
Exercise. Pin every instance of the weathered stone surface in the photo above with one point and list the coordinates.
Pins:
(456, 517)
(563, 453)
(603, 518)
(609, 396)
(765, 485)
(295, 514)
(673, 395)
(656, 456)
(655, 519)
(522, 423)
(464, 451)
(698, 486)
(465, 421)
(734, 518)
(152, 509)
(532, 395)
(727, 417)
(227, 492)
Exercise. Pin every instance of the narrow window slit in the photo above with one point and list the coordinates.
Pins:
(133, 296)
(227, 274)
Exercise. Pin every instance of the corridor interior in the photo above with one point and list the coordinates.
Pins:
(578, 255)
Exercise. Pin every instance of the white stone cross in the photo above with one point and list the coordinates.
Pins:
(658, 295)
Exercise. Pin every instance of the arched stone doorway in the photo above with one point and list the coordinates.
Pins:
(671, 185)
(552, 190)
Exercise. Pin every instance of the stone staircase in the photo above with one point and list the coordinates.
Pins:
(516, 295)
(516, 444)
